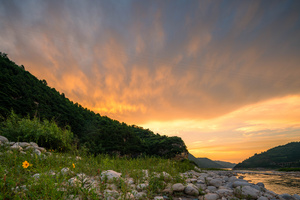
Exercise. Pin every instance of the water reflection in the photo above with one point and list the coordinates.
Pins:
(278, 182)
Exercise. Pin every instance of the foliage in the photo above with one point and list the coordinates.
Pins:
(292, 169)
(28, 96)
(281, 156)
(46, 134)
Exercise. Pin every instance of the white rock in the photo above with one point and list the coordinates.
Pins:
(36, 151)
(36, 176)
(158, 198)
(42, 149)
(192, 190)
(286, 196)
(3, 139)
(24, 144)
(232, 179)
(246, 191)
(269, 192)
(78, 158)
(129, 181)
(111, 193)
(201, 186)
(141, 186)
(212, 188)
(29, 147)
(215, 182)
(260, 184)
(166, 176)
(240, 183)
(262, 198)
(178, 187)
(193, 180)
(74, 181)
(129, 196)
(34, 144)
(65, 170)
(211, 196)
(110, 175)
(140, 195)
(16, 146)
(225, 192)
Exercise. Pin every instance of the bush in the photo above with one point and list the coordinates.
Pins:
(45, 133)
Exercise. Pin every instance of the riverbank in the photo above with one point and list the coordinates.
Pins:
(277, 181)
(31, 172)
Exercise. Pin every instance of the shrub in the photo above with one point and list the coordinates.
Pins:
(45, 133)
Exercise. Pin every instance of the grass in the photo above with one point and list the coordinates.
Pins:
(43, 179)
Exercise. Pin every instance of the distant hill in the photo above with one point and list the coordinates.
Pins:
(27, 96)
(207, 163)
(281, 156)
(225, 164)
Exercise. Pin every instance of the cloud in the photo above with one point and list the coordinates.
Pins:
(186, 64)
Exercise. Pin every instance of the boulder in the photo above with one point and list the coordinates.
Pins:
(24, 144)
(110, 175)
(36, 151)
(224, 192)
(286, 196)
(246, 192)
(42, 149)
(211, 196)
(262, 198)
(260, 184)
(215, 182)
(232, 179)
(3, 139)
(178, 187)
(192, 190)
(34, 144)
(240, 183)
(16, 146)
(212, 188)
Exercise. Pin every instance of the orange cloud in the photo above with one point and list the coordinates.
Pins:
(200, 70)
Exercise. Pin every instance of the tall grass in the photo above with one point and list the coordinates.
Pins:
(17, 182)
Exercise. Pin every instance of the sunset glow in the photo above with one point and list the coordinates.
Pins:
(222, 75)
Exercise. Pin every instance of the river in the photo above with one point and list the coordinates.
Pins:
(278, 182)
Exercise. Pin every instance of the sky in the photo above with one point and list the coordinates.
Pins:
(222, 75)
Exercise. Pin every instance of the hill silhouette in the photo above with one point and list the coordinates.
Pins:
(281, 156)
(207, 163)
(27, 96)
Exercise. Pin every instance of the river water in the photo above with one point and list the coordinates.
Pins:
(278, 182)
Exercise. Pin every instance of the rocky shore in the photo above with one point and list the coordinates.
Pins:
(198, 184)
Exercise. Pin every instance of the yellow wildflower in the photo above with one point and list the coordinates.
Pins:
(25, 164)
(73, 165)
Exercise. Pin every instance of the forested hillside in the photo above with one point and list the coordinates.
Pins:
(281, 156)
(26, 95)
